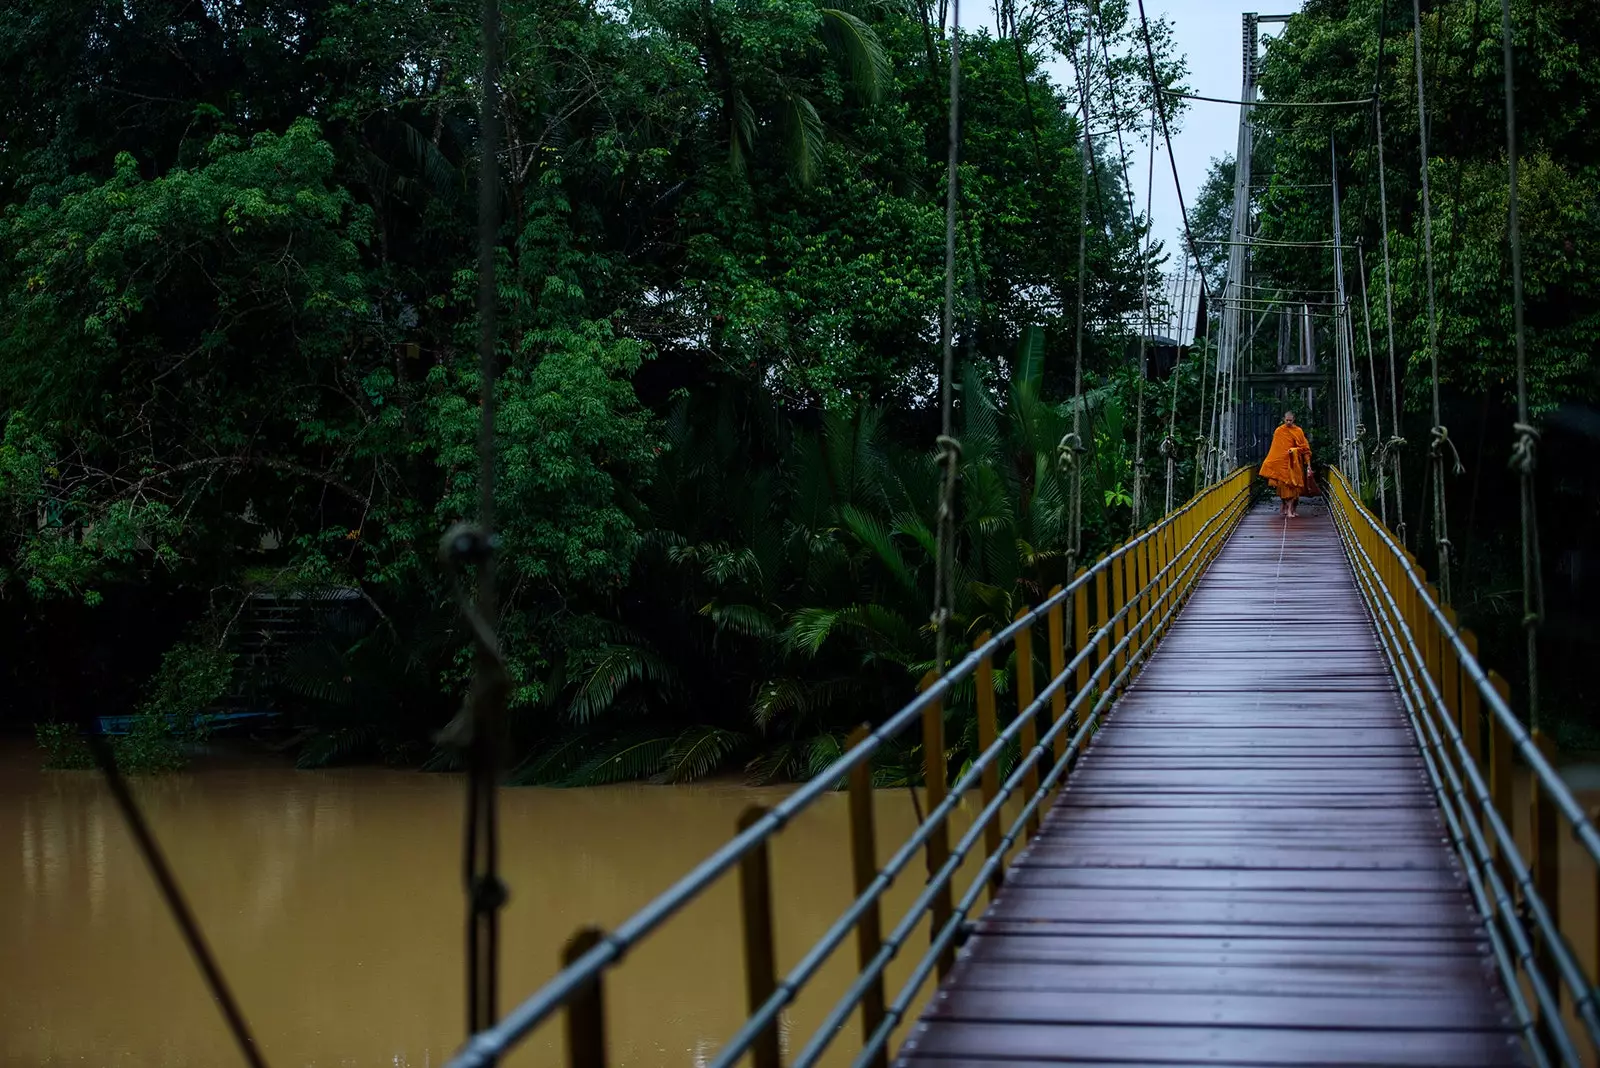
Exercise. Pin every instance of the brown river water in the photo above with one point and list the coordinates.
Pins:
(333, 901)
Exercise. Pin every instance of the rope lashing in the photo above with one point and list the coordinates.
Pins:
(949, 458)
(1525, 453)
(1067, 451)
(1391, 447)
(463, 545)
(1525, 461)
(1441, 438)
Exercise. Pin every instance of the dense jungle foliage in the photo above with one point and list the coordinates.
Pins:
(237, 348)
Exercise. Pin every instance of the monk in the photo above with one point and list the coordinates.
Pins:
(1286, 463)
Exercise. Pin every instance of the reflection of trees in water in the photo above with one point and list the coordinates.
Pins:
(234, 839)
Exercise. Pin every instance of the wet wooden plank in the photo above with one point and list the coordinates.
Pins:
(1006, 1043)
(1413, 1012)
(1246, 868)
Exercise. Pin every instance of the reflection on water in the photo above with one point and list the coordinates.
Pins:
(333, 900)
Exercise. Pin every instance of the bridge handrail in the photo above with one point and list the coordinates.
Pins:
(1435, 720)
(1518, 735)
(1203, 518)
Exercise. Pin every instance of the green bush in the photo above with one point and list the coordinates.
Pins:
(64, 747)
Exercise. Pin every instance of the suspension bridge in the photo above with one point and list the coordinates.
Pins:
(1247, 822)
(1233, 819)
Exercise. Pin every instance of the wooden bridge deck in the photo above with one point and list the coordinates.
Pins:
(1247, 867)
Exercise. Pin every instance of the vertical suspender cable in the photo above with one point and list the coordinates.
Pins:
(949, 447)
(1395, 442)
(1071, 450)
(463, 545)
(1441, 436)
(1169, 445)
(1202, 441)
(1524, 455)
(1372, 371)
(1144, 333)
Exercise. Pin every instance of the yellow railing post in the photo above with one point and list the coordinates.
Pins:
(1055, 625)
(760, 950)
(988, 729)
(1544, 838)
(1500, 755)
(586, 1008)
(1450, 670)
(1147, 596)
(934, 771)
(1471, 707)
(1102, 611)
(1430, 636)
(1029, 731)
(864, 866)
(1080, 634)
(1119, 570)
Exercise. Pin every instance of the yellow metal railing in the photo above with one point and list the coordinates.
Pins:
(1470, 740)
(1120, 607)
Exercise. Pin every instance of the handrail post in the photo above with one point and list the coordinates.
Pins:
(1119, 568)
(1102, 608)
(864, 864)
(1544, 860)
(1028, 732)
(586, 1009)
(934, 772)
(1058, 665)
(760, 950)
(1169, 532)
(1500, 757)
(1471, 709)
(1431, 640)
(1080, 642)
(1450, 669)
(1146, 595)
(988, 729)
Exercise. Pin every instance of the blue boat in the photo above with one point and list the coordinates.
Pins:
(214, 721)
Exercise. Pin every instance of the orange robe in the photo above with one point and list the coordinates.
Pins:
(1285, 465)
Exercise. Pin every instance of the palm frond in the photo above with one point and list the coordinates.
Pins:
(745, 619)
(795, 699)
(874, 535)
(630, 757)
(318, 671)
(617, 667)
(786, 761)
(805, 132)
(1027, 372)
(698, 752)
(915, 527)
(554, 761)
(884, 630)
(821, 752)
(862, 53)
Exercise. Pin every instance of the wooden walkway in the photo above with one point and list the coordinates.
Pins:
(1247, 867)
